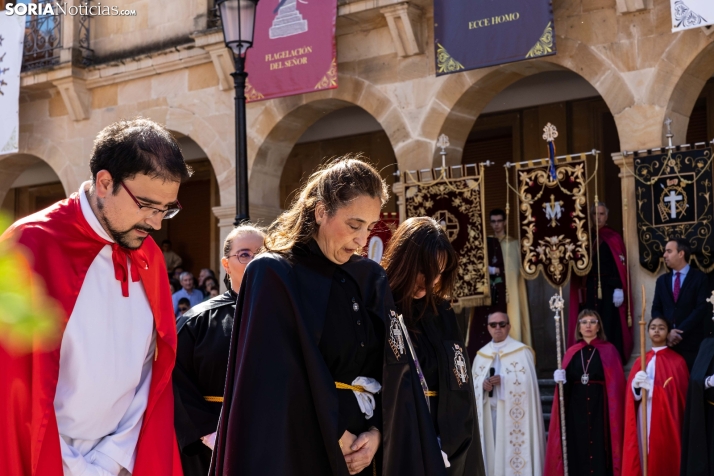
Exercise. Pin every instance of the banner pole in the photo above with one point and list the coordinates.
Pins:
(556, 305)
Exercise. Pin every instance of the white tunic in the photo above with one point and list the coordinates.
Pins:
(516, 420)
(650, 370)
(105, 368)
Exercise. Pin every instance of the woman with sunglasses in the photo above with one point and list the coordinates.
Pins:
(204, 335)
(421, 266)
(594, 390)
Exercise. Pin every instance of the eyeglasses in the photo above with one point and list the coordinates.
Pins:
(501, 324)
(244, 257)
(168, 213)
(588, 321)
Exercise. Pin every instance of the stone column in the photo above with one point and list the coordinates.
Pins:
(638, 275)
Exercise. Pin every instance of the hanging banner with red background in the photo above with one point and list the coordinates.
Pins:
(293, 49)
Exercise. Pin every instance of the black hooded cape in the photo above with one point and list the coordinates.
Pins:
(204, 337)
(280, 411)
(697, 440)
(456, 404)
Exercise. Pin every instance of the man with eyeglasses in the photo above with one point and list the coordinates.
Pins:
(99, 402)
(507, 397)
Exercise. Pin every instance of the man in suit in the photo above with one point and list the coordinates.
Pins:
(680, 297)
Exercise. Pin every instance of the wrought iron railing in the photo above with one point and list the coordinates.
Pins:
(43, 38)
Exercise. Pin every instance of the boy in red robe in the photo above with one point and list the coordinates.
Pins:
(100, 402)
(666, 380)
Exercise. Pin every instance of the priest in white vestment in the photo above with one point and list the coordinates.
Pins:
(508, 404)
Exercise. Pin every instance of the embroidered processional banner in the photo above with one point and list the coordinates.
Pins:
(293, 50)
(479, 33)
(457, 204)
(687, 14)
(12, 34)
(554, 219)
(378, 239)
(674, 200)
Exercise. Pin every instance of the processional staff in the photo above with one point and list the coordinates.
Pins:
(556, 305)
(643, 405)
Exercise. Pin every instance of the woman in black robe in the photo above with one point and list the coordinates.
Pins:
(315, 344)
(421, 266)
(204, 335)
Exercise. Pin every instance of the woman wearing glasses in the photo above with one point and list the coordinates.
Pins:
(594, 391)
(204, 335)
(319, 371)
(421, 266)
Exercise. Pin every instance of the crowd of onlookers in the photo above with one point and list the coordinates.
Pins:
(186, 289)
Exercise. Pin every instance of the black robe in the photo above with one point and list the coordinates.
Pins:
(281, 408)
(698, 431)
(204, 336)
(609, 281)
(587, 416)
(437, 340)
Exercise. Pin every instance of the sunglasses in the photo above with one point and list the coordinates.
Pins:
(501, 324)
(588, 321)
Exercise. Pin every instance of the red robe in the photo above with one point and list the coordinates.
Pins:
(617, 247)
(614, 383)
(670, 394)
(62, 246)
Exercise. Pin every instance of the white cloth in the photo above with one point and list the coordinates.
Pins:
(105, 369)
(559, 376)
(650, 371)
(518, 424)
(708, 383)
(618, 297)
(366, 399)
(209, 440)
(444, 456)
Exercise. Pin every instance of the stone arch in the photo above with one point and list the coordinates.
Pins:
(461, 97)
(218, 149)
(680, 75)
(280, 123)
(13, 165)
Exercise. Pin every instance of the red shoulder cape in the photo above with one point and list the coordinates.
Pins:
(614, 383)
(62, 246)
(617, 247)
(665, 443)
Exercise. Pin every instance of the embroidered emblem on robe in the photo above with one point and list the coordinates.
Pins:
(396, 338)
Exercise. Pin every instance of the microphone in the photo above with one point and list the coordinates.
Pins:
(491, 373)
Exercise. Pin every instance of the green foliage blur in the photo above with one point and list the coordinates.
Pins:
(29, 319)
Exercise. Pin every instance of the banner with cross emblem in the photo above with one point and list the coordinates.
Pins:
(454, 198)
(674, 200)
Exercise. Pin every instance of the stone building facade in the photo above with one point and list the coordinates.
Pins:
(169, 63)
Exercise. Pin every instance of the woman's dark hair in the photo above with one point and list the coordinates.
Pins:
(334, 185)
(420, 245)
(206, 281)
(666, 323)
(139, 146)
(600, 329)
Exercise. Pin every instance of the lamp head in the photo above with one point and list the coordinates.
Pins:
(238, 22)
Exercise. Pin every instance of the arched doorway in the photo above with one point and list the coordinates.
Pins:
(350, 130)
(194, 233)
(27, 185)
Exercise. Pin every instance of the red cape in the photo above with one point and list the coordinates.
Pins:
(670, 393)
(617, 248)
(614, 384)
(62, 246)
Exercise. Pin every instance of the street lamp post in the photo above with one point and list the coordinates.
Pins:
(238, 22)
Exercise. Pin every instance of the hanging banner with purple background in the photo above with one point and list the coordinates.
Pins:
(293, 49)
(471, 34)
